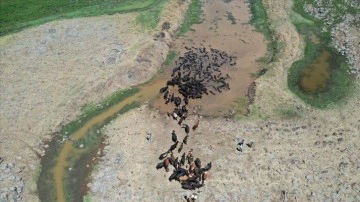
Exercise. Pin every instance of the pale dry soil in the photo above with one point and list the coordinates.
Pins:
(49, 72)
(300, 153)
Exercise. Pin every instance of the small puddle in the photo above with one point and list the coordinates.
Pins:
(225, 27)
(315, 77)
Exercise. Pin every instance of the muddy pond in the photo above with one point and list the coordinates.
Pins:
(320, 78)
(67, 163)
(315, 77)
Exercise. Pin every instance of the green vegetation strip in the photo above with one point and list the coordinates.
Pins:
(150, 18)
(91, 110)
(260, 21)
(45, 183)
(16, 15)
(192, 17)
(340, 83)
(170, 57)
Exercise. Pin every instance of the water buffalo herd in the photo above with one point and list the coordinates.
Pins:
(187, 170)
(196, 73)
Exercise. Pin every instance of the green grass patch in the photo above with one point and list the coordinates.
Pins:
(256, 113)
(88, 198)
(261, 23)
(192, 17)
(242, 107)
(340, 83)
(16, 15)
(149, 19)
(299, 19)
(170, 58)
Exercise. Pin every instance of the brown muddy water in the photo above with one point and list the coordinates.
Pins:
(225, 27)
(314, 78)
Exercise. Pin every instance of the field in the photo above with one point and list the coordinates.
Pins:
(19, 14)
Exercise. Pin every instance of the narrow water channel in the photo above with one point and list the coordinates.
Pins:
(225, 27)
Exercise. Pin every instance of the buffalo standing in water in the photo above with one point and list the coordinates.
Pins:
(162, 90)
(177, 101)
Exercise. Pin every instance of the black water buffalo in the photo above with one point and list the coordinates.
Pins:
(163, 155)
(181, 147)
(173, 147)
(173, 136)
(160, 165)
(162, 90)
(185, 139)
(187, 128)
(177, 101)
(198, 162)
